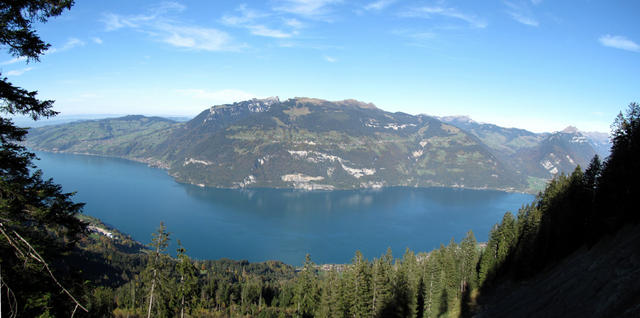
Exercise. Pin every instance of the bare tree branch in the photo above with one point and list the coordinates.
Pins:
(33, 254)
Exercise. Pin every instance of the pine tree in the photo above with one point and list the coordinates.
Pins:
(488, 258)
(506, 237)
(361, 286)
(433, 283)
(155, 266)
(306, 291)
(468, 262)
(188, 279)
(381, 282)
(592, 173)
(452, 273)
(330, 296)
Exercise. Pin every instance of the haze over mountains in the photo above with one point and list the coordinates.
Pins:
(308, 143)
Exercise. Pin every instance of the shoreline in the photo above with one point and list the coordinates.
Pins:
(154, 163)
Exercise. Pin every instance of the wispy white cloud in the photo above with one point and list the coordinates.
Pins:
(70, 44)
(223, 96)
(619, 42)
(114, 21)
(414, 34)
(249, 19)
(14, 60)
(521, 13)
(330, 59)
(96, 40)
(429, 12)
(379, 5)
(255, 22)
(294, 23)
(167, 6)
(524, 19)
(196, 38)
(536, 2)
(19, 72)
(244, 16)
(157, 24)
(262, 30)
(307, 8)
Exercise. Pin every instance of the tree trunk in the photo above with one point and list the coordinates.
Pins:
(133, 297)
(153, 285)
(182, 311)
(430, 293)
(182, 301)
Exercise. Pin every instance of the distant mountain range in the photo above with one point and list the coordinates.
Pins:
(538, 155)
(314, 144)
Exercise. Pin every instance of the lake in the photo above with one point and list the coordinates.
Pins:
(265, 224)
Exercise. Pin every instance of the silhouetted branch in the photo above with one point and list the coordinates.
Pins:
(31, 253)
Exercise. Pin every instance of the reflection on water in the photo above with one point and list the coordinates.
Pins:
(261, 224)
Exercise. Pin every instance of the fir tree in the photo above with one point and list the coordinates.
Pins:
(154, 272)
(306, 290)
(381, 282)
(469, 261)
(188, 279)
(361, 286)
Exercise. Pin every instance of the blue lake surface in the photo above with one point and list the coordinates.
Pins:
(266, 224)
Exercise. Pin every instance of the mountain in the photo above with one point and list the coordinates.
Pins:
(539, 156)
(556, 152)
(309, 143)
(600, 142)
(131, 137)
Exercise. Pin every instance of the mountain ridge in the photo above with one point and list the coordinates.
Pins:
(311, 144)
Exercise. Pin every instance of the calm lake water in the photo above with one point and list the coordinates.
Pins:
(264, 224)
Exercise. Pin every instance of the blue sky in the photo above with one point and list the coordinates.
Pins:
(534, 64)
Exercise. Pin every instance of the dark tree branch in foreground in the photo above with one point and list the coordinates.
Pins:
(37, 220)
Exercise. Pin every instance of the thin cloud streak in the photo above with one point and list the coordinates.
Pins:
(330, 59)
(19, 72)
(307, 8)
(14, 60)
(157, 25)
(428, 12)
(70, 44)
(379, 5)
(521, 13)
(523, 19)
(262, 30)
(248, 19)
(196, 38)
(619, 42)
